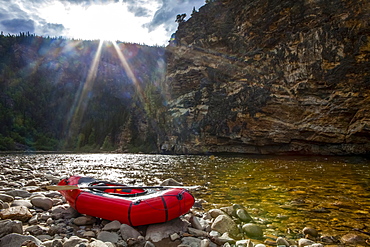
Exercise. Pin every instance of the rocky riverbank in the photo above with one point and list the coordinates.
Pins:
(33, 216)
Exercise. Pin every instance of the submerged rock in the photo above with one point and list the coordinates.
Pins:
(353, 239)
(243, 215)
(253, 230)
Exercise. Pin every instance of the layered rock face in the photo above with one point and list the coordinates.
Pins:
(271, 77)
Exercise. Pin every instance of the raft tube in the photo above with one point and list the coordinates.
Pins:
(134, 207)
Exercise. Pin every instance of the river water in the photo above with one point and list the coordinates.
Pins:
(285, 193)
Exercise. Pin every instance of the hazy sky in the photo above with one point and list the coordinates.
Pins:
(148, 22)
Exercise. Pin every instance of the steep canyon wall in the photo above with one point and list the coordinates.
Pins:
(270, 77)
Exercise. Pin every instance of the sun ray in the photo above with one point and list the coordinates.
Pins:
(130, 73)
(79, 109)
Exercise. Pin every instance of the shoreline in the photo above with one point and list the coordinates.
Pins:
(31, 213)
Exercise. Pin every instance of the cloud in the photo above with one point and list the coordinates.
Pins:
(138, 7)
(77, 2)
(10, 11)
(18, 25)
(166, 15)
(52, 29)
(142, 21)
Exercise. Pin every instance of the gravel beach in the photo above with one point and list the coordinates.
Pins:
(33, 216)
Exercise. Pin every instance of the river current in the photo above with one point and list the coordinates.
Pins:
(285, 193)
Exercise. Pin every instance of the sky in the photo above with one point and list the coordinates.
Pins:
(149, 22)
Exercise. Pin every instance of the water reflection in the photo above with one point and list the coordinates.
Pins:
(329, 193)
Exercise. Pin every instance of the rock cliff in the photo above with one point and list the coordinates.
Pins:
(271, 77)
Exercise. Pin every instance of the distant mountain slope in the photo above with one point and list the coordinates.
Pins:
(58, 94)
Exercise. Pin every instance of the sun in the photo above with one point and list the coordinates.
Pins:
(108, 22)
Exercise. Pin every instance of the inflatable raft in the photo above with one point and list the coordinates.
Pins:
(132, 206)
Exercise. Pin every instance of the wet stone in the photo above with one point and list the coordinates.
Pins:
(216, 212)
(310, 231)
(244, 243)
(243, 215)
(260, 245)
(224, 223)
(170, 182)
(282, 241)
(228, 210)
(226, 238)
(305, 242)
(253, 230)
(353, 239)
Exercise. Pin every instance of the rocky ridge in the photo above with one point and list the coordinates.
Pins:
(270, 77)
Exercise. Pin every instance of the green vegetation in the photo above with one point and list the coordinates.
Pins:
(53, 98)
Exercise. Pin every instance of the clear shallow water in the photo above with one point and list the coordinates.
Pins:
(331, 194)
